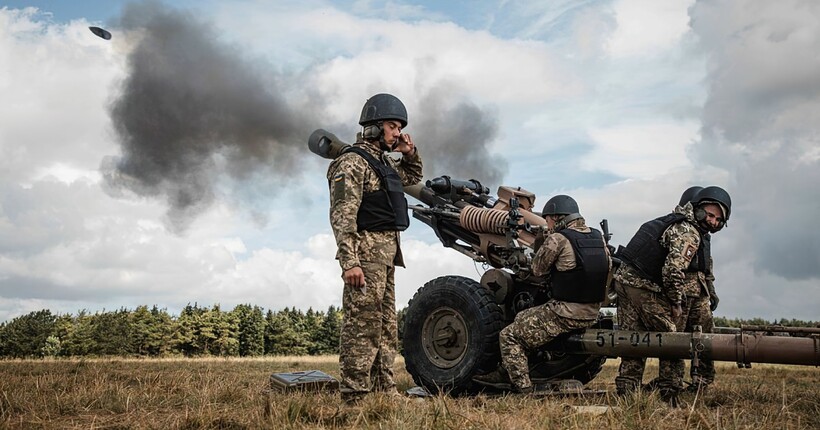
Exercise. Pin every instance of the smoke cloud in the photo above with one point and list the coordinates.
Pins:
(760, 123)
(456, 139)
(196, 120)
(191, 108)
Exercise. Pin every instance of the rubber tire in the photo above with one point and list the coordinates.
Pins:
(483, 320)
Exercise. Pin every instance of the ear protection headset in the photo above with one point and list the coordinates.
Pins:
(700, 214)
(373, 131)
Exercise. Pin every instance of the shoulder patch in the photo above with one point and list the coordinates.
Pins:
(689, 251)
(338, 186)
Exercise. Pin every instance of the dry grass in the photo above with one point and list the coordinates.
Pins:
(232, 394)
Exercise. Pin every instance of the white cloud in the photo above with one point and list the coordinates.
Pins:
(646, 27)
(367, 55)
(66, 174)
(54, 79)
(642, 151)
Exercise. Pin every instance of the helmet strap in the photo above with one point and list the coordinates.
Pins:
(562, 224)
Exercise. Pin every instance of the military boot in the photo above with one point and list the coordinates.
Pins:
(695, 387)
(496, 379)
(525, 390)
(669, 396)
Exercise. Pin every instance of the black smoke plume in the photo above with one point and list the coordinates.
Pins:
(191, 108)
(196, 120)
(456, 139)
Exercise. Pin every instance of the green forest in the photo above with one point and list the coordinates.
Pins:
(244, 331)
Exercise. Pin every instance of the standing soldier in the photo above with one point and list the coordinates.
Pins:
(651, 282)
(699, 303)
(367, 212)
(577, 260)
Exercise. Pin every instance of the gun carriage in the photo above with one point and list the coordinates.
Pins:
(451, 325)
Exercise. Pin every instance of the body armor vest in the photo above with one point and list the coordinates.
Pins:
(586, 283)
(646, 254)
(384, 209)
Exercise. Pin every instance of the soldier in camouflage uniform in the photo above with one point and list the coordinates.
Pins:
(367, 212)
(577, 260)
(697, 306)
(698, 312)
(651, 284)
(701, 299)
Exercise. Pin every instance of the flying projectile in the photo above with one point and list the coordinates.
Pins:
(100, 32)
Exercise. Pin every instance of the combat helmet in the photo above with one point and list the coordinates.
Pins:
(689, 195)
(563, 205)
(716, 195)
(383, 107)
(560, 205)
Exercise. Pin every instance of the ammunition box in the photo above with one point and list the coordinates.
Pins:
(309, 380)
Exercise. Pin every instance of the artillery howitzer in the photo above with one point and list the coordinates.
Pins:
(452, 322)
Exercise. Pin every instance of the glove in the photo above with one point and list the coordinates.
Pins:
(713, 301)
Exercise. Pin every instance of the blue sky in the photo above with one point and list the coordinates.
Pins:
(622, 104)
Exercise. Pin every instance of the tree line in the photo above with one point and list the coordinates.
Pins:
(737, 322)
(244, 331)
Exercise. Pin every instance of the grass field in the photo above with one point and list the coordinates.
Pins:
(232, 394)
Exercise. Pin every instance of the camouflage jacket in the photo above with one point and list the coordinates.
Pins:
(557, 254)
(349, 177)
(682, 240)
(698, 284)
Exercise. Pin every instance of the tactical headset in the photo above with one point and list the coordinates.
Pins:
(373, 131)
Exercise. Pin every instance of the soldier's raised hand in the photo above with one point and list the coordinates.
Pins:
(405, 144)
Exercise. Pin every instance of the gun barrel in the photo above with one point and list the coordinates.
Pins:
(741, 347)
(414, 191)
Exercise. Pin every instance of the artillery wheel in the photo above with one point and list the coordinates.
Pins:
(451, 334)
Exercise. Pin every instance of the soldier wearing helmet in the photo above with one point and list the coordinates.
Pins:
(367, 212)
(576, 259)
(699, 302)
(712, 208)
(653, 284)
(705, 300)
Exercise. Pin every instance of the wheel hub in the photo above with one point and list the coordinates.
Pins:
(444, 337)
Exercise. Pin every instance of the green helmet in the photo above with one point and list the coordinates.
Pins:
(560, 205)
(382, 107)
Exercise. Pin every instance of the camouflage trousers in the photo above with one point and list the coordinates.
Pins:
(369, 336)
(697, 311)
(532, 328)
(644, 310)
